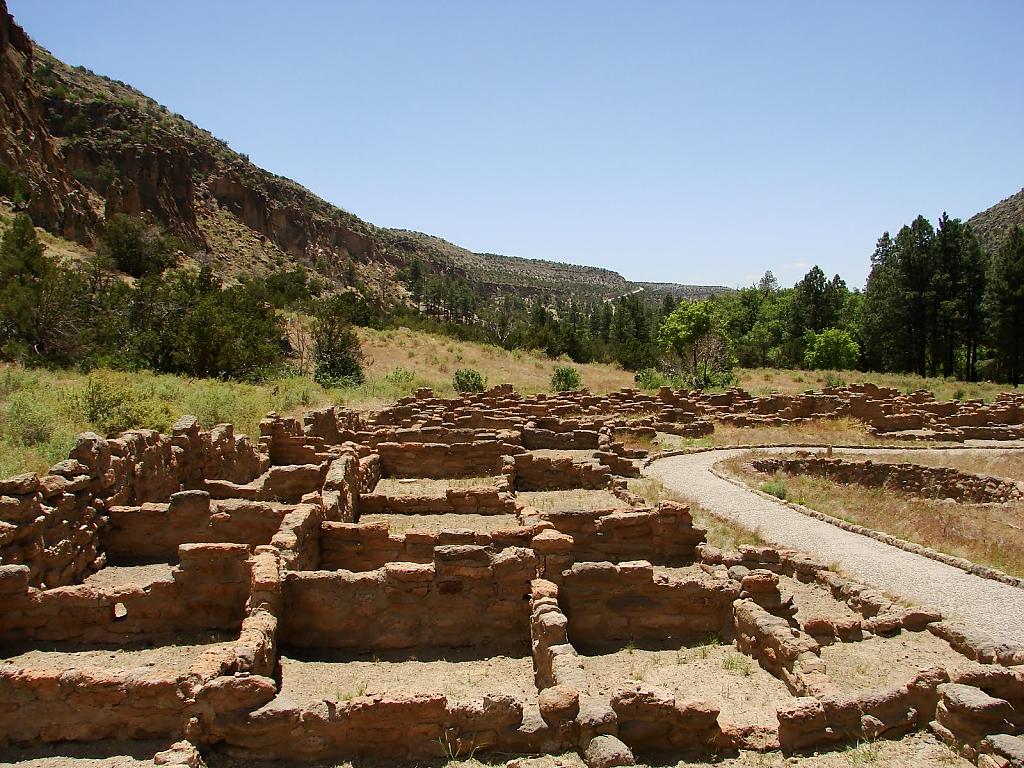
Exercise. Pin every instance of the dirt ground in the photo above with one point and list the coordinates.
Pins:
(681, 572)
(405, 486)
(887, 662)
(460, 675)
(813, 599)
(104, 754)
(122, 575)
(482, 760)
(552, 453)
(172, 657)
(446, 522)
(917, 750)
(565, 501)
(920, 750)
(744, 692)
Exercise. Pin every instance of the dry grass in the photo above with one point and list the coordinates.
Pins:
(722, 533)
(990, 534)
(434, 359)
(765, 381)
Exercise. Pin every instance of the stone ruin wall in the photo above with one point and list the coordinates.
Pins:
(266, 545)
(932, 482)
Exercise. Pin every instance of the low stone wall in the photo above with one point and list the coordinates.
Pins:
(155, 531)
(441, 460)
(788, 654)
(652, 720)
(369, 546)
(610, 605)
(397, 726)
(663, 535)
(529, 472)
(467, 597)
(286, 483)
(58, 704)
(480, 500)
(53, 523)
(981, 714)
(535, 438)
(830, 720)
(207, 592)
(936, 482)
(298, 539)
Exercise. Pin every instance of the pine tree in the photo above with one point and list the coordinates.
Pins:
(1005, 305)
(24, 273)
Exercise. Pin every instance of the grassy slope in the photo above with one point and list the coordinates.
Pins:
(41, 411)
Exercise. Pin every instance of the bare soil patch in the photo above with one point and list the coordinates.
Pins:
(460, 675)
(478, 760)
(744, 692)
(916, 750)
(681, 571)
(173, 656)
(103, 754)
(123, 575)
(878, 663)
(991, 534)
(394, 486)
(813, 599)
(568, 501)
(552, 453)
(447, 522)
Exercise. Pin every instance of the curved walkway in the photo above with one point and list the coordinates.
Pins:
(994, 608)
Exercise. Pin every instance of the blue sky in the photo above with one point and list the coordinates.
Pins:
(670, 141)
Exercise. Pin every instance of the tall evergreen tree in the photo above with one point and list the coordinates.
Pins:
(1005, 305)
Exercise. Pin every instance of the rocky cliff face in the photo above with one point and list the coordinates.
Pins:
(56, 201)
(993, 224)
(90, 147)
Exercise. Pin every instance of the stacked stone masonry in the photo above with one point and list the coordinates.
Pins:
(230, 563)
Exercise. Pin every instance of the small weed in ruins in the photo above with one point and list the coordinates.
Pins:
(734, 662)
(630, 647)
(864, 753)
(704, 648)
(453, 750)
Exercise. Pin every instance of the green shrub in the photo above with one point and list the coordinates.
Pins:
(339, 358)
(776, 488)
(565, 379)
(832, 348)
(13, 185)
(834, 380)
(111, 405)
(468, 380)
(28, 420)
(651, 378)
(400, 377)
(138, 245)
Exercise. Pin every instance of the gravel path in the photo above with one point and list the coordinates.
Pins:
(994, 608)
